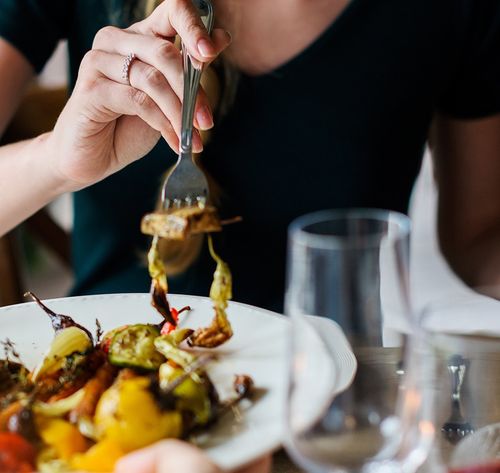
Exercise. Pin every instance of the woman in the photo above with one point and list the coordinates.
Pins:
(341, 124)
(332, 108)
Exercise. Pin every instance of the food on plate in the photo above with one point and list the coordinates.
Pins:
(94, 398)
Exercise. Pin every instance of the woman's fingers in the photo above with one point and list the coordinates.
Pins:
(109, 96)
(165, 457)
(164, 56)
(263, 465)
(180, 17)
(157, 52)
(146, 92)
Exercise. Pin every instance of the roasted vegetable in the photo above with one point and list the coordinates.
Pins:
(22, 422)
(181, 223)
(16, 454)
(14, 377)
(62, 437)
(6, 413)
(84, 409)
(159, 285)
(128, 415)
(134, 347)
(191, 395)
(59, 321)
(76, 370)
(167, 326)
(100, 457)
(67, 342)
(168, 345)
(220, 329)
(60, 407)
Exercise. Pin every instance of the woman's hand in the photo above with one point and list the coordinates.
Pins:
(111, 121)
(179, 457)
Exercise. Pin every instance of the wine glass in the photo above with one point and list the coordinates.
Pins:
(350, 269)
(462, 341)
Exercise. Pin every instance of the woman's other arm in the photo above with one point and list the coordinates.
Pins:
(467, 164)
(26, 184)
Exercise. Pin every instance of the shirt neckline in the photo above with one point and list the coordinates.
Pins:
(323, 37)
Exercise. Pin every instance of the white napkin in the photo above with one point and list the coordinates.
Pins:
(467, 313)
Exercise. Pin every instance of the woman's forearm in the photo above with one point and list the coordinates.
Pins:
(27, 180)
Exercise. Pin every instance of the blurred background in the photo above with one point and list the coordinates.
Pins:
(36, 256)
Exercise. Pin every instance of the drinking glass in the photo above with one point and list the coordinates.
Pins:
(462, 350)
(349, 268)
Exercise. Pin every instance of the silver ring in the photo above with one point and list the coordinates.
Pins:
(126, 66)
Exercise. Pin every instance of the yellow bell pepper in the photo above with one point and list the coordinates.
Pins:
(128, 415)
(101, 457)
(63, 437)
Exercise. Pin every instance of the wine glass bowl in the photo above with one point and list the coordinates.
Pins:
(349, 267)
(463, 353)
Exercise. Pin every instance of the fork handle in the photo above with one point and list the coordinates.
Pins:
(457, 367)
(192, 75)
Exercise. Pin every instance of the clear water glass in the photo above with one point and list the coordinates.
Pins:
(350, 268)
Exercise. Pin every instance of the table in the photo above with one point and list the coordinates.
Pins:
(384, 362)
(484, 376)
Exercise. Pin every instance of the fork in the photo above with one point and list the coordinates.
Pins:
(186, 184)
(456, 427)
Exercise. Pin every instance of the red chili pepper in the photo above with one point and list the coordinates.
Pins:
(168, 327)
(106, 344)
(17, 455)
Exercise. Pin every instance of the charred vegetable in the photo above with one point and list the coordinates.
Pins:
(168, 346)
(59, 321)
(17, 455)
(134, 347)
(128, 415)
(193, 395)
(159, 285)
(220, 329)
(67, 342)
(181, 223)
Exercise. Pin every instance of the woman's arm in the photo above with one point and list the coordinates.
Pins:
(27, 180)
(15, 73)
(467, 164)
(110, 120)
(25, 183)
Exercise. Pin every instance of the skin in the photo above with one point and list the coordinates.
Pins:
(174, 455)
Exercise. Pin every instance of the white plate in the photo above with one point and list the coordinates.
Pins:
(258, 348)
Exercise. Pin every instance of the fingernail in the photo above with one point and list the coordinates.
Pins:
(197, 142)
(204, 118)
(205, 48)
(229, 36)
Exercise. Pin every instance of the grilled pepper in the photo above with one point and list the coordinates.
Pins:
(133, 347)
